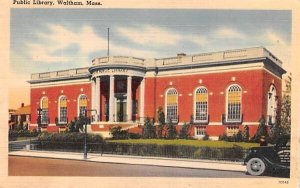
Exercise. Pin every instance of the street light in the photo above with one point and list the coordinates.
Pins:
(39, 120)
(85, 132)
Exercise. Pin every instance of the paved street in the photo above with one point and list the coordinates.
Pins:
(32, 166)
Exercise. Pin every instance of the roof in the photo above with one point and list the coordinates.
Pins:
(23, 110)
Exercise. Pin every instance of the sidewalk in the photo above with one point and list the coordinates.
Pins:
(136, 160)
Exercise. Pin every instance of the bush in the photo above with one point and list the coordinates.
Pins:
(22, 133)
(171, 130)
(118, 133)
(149, 129)
(184, 132)
(69, 137)
(134, 136)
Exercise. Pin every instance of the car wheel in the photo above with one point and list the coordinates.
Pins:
(256, 167)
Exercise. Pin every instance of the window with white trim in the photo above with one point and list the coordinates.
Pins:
(82, 105)
(62, 109)
(234, 99)
(231, 131)
(272, 105)
(200, 131)
(201, 107)
(44, 113)
(171, 105)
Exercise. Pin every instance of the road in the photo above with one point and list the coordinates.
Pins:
(32, 166)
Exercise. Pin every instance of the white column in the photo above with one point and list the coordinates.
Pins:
(142, 100)
(97, 96)
(111, 98)
(93, 94)
(129, 99)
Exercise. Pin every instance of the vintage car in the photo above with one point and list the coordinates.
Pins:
(274, 160)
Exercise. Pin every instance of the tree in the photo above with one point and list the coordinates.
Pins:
(184, 132)
(275, 133)
(245, 134)
(149, 129)
(171, 130)
(261, 130)
(286, 107)
(76, 125)
(161, 122)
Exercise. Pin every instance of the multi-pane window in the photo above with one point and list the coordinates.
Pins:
(200, 131)
(231, 131)
(44, 112)
(63, 109)
(172, 105)
(82, 105)
(272, 105)
(201, 100)
(234, 98)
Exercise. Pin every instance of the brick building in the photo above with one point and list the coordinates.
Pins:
(219, 92)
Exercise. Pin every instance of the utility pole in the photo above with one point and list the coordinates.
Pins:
(108, 41)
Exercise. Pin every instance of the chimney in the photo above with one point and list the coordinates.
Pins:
(181, 54)
(22, 104)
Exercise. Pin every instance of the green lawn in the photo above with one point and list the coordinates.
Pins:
(200, 143)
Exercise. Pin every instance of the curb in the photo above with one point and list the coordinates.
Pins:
(189, 163)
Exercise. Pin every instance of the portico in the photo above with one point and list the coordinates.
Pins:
(121, 98)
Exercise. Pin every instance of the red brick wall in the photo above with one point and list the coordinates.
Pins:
(53, 93)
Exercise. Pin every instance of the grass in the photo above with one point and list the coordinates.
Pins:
(198, 143)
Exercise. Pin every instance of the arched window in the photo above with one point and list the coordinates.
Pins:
(272, 105)
(82, 105)
(44, 113)
(234, 100)
(62, 109)
(201, 107)
(171, 105)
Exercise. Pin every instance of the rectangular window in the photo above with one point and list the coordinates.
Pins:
(63, 115)
(201, 111)
(172, 113)
(231, 131)
(234, 112)
(200, 131)
(82, 111)
(44, 116)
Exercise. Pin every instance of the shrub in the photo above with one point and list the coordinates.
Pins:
(184, 131)
(118, 133)
(149, 129)
(161, 122)
(171, 130)
(245, 134)
(261, 130)
(22, 133)
(134, 136)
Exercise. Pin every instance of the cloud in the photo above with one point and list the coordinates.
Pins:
(148, 35)
(226, 32)
(278, 45)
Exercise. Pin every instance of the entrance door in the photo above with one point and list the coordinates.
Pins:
(121, 104)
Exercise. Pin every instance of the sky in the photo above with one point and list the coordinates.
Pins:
(56, 39)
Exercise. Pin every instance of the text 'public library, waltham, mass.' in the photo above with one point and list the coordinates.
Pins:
(219, 92)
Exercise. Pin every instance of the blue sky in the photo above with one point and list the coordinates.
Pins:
(54, 39)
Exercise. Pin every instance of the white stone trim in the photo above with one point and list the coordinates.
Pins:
(97, 97)
(208, 70)
(111, 98)
(60, 83)
(129, 99)
(142, 101)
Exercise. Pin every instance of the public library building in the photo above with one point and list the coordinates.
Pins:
(218, 92)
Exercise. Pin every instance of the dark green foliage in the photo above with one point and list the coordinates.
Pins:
(235, 138)
(245, 134)
(69, 137)
(275, 133)
(77, 125)
(149, 129)
(161, 122)
(177, 151)
(171, 130)
(134, 136)
(13, 134)
(118, 133)
(261, 130)
(206, 137)
(184, 132)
